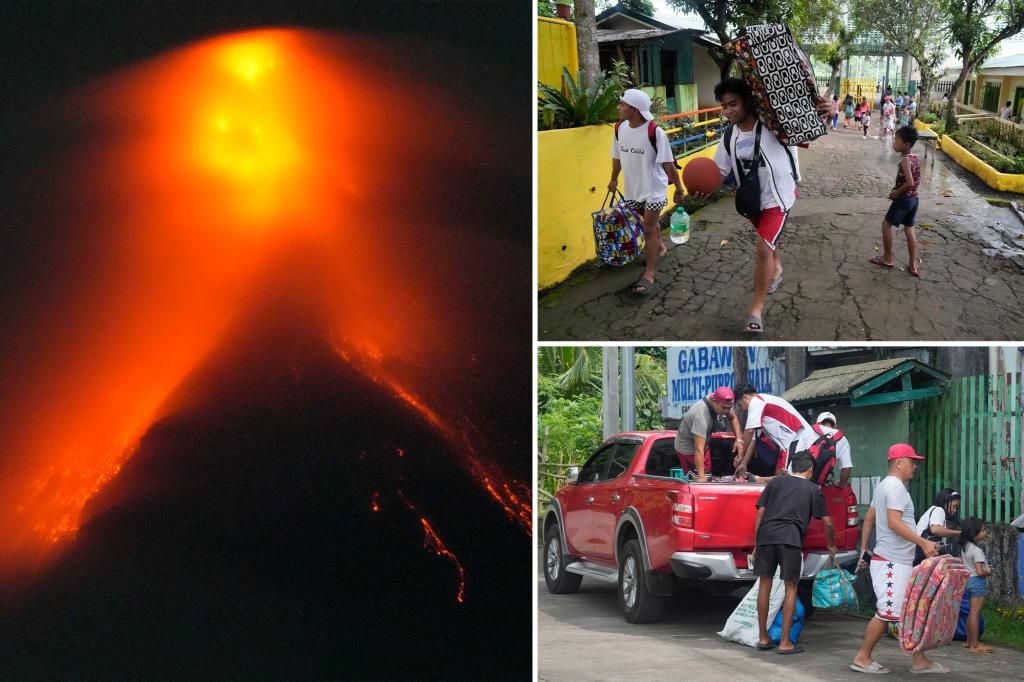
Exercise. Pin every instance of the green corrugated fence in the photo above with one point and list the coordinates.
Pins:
(971, 437)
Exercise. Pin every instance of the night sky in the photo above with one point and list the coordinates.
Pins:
(267, 416)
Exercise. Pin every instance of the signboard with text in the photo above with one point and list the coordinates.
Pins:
(695, 371)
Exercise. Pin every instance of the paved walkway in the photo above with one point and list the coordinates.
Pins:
(972, 270)
(584, 637)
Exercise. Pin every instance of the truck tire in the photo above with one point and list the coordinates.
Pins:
(803, 593)
(638, 604)
(558, 580)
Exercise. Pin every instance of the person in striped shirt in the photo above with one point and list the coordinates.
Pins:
(773, 431)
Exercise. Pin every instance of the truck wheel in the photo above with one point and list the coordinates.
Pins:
(803, 592)
(555, 576)
(638, 605)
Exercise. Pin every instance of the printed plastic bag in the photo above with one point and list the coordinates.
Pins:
(795, 628)
(742, 623)
(618, 232)
(833, 588)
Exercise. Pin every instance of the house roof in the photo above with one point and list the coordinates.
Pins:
(637, 17)
(855, 382)
(606, 36)
(1009, 62)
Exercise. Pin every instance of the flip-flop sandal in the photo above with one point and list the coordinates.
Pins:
(874, 669)
(753, 325)
(797, 649)
(765, 647)
(774, 286)
(878, 261)
(643, 287)
(981, 650)
(935, 668)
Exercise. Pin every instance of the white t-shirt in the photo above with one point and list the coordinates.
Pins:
(888, 109)
(970, 555)
(891, 493)
(1006, 113)
(777, 418)
(935, 516)
(645, 177)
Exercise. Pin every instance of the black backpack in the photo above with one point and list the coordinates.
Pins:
(823, 450)
(652, 136)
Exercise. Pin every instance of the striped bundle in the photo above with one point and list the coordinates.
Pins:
(930, 610)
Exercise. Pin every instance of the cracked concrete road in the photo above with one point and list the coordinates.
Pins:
(583, 636)
(972, 266)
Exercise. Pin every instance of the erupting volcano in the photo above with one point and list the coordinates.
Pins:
(256, 406)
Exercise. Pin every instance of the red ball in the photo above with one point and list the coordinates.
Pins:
(701, 175)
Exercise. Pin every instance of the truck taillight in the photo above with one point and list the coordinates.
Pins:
(682, 509)
(851, 509)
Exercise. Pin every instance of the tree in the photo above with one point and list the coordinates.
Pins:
(586, 40)
(914, 27)
(723, 17)
(546, 8)
(834, 51)
(975, 29)
(645, 7)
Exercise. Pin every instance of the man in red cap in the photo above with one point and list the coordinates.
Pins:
(892, 516)
(699, 422)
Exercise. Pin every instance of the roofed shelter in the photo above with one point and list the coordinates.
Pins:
(871, 402)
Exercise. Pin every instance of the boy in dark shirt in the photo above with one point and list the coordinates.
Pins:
(903, 210)
(784, 511)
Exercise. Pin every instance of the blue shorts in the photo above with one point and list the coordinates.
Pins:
(902, 211)
(976, 586)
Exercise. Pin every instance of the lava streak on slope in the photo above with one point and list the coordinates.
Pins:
(185, 176)
(433, 543)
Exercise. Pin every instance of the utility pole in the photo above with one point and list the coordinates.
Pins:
(627, 405)
(740, 366)
(610, 390)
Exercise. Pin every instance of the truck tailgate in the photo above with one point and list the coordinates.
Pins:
(724, 515)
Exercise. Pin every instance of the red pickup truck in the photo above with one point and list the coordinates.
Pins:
(625, 519)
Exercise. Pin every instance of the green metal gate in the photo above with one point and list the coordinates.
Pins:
(990, 98)
(971, 438)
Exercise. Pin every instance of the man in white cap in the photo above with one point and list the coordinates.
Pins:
(641, 149)
(826, 424)
(697, 425)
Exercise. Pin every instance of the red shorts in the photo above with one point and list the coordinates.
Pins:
(769, 224)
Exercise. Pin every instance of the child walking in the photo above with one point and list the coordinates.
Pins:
(972, 532)
(903, 209)
(752, 153)
(642, 150)
(865, 121)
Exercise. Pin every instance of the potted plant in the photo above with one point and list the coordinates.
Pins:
(563, 10)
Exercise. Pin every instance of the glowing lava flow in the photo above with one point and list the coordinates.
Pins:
(433, 543)
(460, 434)
(197, 169)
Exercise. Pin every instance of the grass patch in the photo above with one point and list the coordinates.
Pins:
(1003, 626)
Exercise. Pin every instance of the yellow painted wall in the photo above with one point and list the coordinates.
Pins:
(1005, 182)
(573, 169)
(556, 47)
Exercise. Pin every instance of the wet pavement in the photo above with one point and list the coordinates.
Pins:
(971, 253)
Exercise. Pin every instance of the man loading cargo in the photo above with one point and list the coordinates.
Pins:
(778, 428)
(826, 424)
(697, 425)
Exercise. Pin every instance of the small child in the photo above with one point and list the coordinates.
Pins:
(835, 111)
(904, 117)
(865, 121)
(903, 210)
(973, 531)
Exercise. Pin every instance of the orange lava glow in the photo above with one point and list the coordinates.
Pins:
(433, 543)
(375, 503)
(195, 169)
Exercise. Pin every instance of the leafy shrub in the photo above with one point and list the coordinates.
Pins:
(1012, 165)
(927, 118)
(576, 105)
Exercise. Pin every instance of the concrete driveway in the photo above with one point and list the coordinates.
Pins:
(584, 637)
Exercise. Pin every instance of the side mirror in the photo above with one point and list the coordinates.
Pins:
(572, 474)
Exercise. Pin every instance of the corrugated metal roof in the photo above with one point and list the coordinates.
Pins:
(633, 34)
(1009, 61)
(839, 381)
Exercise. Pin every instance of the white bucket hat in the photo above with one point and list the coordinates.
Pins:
(640, 100)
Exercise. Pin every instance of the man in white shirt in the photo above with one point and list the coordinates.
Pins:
(642, 151)
(826, 423)
(892, 516)
(777, 424)
(1006, 112)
